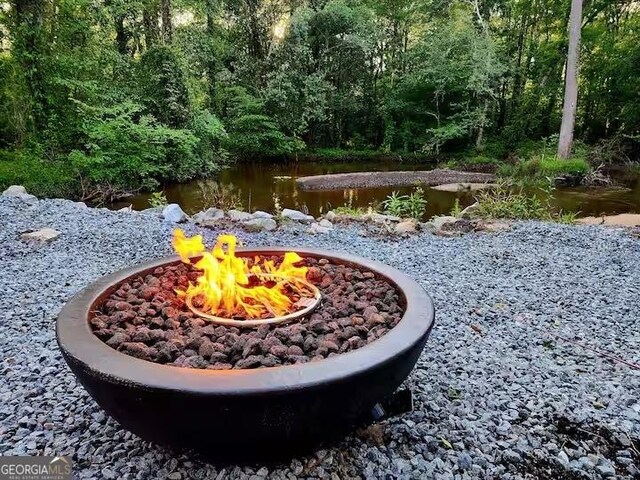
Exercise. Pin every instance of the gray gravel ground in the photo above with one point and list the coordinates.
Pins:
(498, 394)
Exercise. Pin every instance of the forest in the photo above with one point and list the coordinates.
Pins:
(98, 97)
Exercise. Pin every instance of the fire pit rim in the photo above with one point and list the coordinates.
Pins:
(81, 346)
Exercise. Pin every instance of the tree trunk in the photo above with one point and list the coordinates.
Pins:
(165, 6)
(211, 61)
(150, 25)
(30, 48)
(571, 81)
(121, 35)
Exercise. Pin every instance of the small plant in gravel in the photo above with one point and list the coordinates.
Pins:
(456, 210)
(412, 205)
(157, 199)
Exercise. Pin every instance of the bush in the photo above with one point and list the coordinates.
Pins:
(39, 177)
(412, 206)
(128, 149)
(504, 201)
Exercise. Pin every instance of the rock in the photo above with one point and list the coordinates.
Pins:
(317, 228)
(153, 211)
(494, 226)
(128, 209)
(208, 217)
(44, 235)
(296, 216)
(261, 214)
(259, 224)
(325, 223)
(563, 458)
(18, 191)
(439, 222)
(15, 190)
(381, 218)
(464, 461)
(622, 220)
(406, 226)
(606, 470)
(172, 213)
(331, 216)
(238, 216)
(462, 187)
(469, 211)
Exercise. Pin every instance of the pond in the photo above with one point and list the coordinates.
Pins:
(259, 186)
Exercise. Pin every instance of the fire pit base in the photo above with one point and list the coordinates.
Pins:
(245, 415)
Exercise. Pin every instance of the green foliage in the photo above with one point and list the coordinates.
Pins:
(253, 133)
(269, 78)
(40, 177)
(413, 205)
(129, 149)
(158, 199)
(508, 202)
(163, 86)
(456, 209)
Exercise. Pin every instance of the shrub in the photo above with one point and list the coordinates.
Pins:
(41, 178)
(131, 150)
(157, 199)
(412, 205)
(505, 201)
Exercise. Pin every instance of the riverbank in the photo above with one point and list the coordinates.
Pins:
(504, 389)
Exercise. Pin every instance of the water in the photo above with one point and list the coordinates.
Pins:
(260, 186)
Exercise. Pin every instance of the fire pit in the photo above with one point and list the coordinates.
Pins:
(247, 354)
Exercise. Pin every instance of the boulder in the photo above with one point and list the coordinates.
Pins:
(18, 191)
(261, 214)
(154, 211)
(331, 215)
(382, 218)
(317, 228)
(621, 220)
(296, 215)
(325, 223)
(406, 226)
(469, 211)
(496, 226)
(439, 222)
(172, 213)
(44, 235)
(209, 217)
(238, 216)
(259, 224)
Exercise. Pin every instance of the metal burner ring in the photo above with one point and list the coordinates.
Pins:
(314, 301)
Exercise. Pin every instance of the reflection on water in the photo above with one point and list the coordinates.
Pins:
(259, 186)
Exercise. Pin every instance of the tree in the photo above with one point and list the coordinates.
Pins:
(571, 81)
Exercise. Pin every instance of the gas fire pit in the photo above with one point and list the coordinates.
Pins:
(249, 354)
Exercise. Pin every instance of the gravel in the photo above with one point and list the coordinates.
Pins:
(501, 391)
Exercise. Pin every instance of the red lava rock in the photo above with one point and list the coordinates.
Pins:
(295, 350)
(145, 319)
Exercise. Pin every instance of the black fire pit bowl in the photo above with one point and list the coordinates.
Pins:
(245, 415)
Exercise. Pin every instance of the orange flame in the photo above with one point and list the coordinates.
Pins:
(223, 287)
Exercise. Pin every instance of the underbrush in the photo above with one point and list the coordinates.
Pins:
(406, 206)
(509, 202)
(40, 177)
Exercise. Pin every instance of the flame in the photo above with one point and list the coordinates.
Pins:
(223, 289)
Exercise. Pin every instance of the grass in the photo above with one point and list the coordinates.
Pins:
(507, 202)
(41, 178)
